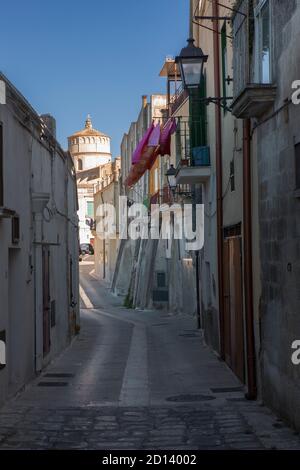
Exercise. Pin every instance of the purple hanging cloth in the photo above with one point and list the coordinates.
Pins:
(154, 138)
(165, 138)
(141, 145)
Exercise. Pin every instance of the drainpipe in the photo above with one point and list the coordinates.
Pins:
(247, 222)
(217, 82)
(198, 291)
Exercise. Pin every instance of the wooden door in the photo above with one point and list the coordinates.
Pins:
(226, 283)
(46, 300)
(233, 307)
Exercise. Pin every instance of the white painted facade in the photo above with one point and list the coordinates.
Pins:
(37, 319)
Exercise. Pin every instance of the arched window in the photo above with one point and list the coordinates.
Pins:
(79, 164)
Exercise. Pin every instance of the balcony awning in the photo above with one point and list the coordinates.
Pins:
(156, 141)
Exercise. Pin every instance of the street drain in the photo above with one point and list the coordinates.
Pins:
(236, 399)
(94, 307)
(189, 335)
(190, 398)
(58, 375)
(227, 389)
(52, 384)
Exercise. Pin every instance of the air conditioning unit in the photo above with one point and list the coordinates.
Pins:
(15, 230)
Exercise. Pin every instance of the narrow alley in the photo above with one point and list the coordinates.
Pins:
(137, 380)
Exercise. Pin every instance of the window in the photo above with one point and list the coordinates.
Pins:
(15, 230)
(297, 165)
(263, 41)
(208, 284)
(1, 166)
(232, 178)
(90, 208)
(79, 164)
(161, 280)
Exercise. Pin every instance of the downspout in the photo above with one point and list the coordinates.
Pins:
(217, 82)
(248, 269)
(199, 323)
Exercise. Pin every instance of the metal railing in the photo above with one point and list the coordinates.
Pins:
(177, 99)
(166, 196)
(163, 196)
(190, 143)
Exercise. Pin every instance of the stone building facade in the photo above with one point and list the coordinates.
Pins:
(263, 94)
(106, 191)
(39, 311)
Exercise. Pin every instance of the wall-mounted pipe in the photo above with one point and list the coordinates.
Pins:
(248, 269)
(217, 83)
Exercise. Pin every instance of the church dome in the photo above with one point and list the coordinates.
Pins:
(88, 130)
(89, 147)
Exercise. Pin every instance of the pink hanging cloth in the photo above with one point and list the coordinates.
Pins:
(144, 155)
(154, 138)
(141, 145)
(156, 141)
(165, 139)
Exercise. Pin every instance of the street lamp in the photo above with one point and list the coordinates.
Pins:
(191, 62)
(171, 177)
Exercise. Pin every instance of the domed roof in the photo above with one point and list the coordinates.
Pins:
(88, 130)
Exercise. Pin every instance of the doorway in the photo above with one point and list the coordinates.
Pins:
(46, 300)
(233, 302)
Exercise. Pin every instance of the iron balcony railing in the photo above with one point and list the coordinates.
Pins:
(177, 99)
(190, 143)
(166, 196)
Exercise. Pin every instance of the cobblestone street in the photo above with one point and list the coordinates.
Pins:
(137, 380)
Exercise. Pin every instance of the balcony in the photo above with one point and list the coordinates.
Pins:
(177, 100)
(199, 174)
(176, 93)
(6, 213)
(254, 100)
(164, 196)
(192, 153)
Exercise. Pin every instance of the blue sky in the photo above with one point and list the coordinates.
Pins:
(70, 57)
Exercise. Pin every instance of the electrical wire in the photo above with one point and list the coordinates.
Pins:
(277, 111)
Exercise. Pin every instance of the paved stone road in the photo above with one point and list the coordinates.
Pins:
(137, 380)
